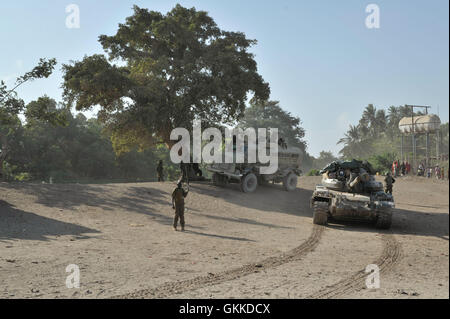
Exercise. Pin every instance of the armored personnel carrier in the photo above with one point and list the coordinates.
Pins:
(249, 177)
(349, 192)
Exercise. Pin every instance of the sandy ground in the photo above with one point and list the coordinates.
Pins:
(259, 245)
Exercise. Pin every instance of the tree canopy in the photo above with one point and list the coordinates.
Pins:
(164, 71)
(374, 126)
(377, 137)
(79, 151)
(11, 105)
(265, 114)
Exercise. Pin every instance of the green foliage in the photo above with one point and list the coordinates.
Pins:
(81, 150)
(267, 114)
(8, 97)
(22, 177)
(373, 126)
(377, 138)
(382, 163)
(325, 157)
(11, 106)
(313, 172)
(444, 139)
(8, 171)
(45, 109)
(175, 68)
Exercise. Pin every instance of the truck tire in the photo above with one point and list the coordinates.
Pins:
(320, 215)
(384, 220)
(290, 182)
(249, 183)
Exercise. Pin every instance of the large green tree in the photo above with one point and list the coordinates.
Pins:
(266, 114)
(81, 150)
(164, 71)
(11, 106)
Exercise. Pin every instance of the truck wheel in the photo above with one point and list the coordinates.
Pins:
(320, 215)
(384, 220)
(290, 182)
(249, 183)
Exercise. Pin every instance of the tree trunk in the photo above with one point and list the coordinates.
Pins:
(1, 169)
(3, 154)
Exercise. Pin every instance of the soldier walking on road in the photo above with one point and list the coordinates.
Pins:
(178, 196)
(389, 180)
(160, 171)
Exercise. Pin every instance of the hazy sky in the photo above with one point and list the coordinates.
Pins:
(322, 63)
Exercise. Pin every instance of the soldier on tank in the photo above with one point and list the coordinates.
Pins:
(178, 196)
(389, 180)
(357, 179)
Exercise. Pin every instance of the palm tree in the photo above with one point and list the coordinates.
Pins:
(380, 124)
(393, 117)
(369, 113)
(352, 136)
(369, 119)
(352, 142)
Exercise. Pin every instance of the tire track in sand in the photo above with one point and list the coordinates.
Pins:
(177, 287)
(389, 257)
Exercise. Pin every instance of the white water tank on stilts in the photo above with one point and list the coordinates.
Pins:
(429, 123)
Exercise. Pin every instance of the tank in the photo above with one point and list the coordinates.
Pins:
(249, 177)
(350, 192)
(422, 124)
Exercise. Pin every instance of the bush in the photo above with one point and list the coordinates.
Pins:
(8, 171)
(58, 176)
(22, 177)
(313, 172)
(382, 163)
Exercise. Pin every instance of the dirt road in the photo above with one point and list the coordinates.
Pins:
(259, 245)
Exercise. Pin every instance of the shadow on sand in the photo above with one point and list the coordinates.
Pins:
(19, 224)
(275, 199)
(270, 198)
(218, 236)
(136, 199)
(404, 222)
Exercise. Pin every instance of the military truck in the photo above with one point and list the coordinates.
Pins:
(249, 177)
(350, 192)
(191, 172)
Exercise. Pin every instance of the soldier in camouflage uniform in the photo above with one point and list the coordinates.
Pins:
(178, 196)
(389, 180)
(160, 171)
